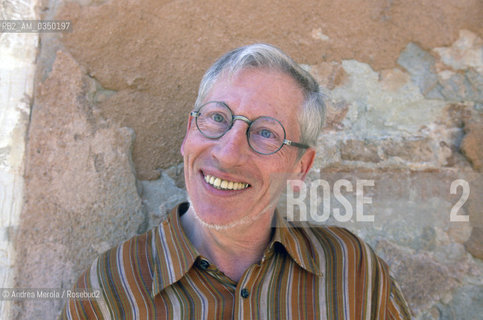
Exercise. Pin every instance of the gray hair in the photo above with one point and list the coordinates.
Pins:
(261, 55)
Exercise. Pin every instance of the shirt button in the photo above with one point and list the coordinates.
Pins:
(244, 293)
(204, 264)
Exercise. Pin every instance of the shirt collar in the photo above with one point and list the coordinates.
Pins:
(298, 243)
(174, 254)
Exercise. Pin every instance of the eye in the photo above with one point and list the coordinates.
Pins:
(218, 117)
(265, 133)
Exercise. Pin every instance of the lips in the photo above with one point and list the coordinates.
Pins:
(222, 184)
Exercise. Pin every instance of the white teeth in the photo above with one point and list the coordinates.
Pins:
(225, 184)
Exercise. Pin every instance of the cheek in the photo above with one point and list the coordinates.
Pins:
(284, 160)
(194, 147)
(190, 143)
(276, 169)
(181, 150)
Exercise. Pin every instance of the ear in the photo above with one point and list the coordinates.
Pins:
(188, 127)
(304, 164)
(294, 185)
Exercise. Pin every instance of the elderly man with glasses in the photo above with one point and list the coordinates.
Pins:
(228, 254)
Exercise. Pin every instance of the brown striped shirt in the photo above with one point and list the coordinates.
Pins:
(305, 273)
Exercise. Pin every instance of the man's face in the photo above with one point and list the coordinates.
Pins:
(259, 178)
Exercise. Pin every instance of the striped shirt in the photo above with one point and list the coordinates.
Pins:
(305, 273)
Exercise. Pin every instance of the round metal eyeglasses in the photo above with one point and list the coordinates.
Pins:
(265, 135)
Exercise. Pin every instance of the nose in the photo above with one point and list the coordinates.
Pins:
(232, 149)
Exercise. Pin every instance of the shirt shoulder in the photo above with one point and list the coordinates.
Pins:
(332, 245)
(351, 266)
(111, 278)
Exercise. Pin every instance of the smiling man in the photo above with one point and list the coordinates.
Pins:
(228, 253)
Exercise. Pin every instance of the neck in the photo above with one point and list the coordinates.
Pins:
(232, 250)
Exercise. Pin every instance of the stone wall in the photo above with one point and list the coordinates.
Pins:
(415, 131)
(404, 88)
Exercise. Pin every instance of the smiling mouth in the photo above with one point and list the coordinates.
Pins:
(222, 184)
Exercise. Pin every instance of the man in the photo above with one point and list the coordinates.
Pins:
(228, 253)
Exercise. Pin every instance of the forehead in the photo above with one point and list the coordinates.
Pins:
(259, 92)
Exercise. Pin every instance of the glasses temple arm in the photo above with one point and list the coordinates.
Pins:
(295, 144)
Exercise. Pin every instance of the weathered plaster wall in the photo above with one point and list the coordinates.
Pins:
(404, 93)
(153, 55)
(17, 68)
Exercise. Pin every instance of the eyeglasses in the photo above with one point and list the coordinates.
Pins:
(265, 135)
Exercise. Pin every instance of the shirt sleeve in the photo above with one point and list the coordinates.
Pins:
(95, 306)
(388, 302)
(397, 307)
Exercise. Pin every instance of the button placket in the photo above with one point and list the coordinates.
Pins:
(244, 290)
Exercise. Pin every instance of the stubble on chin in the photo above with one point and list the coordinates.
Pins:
(245, 220)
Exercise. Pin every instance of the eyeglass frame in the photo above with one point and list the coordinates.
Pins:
(196, 114)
